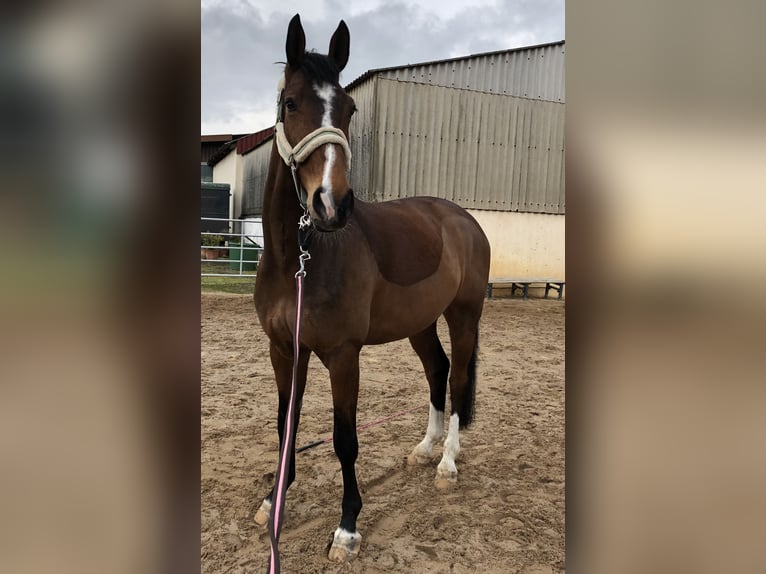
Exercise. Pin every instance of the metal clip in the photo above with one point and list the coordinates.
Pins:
(302, 258)
(305, 221)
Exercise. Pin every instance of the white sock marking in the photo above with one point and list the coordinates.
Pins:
(348, 541)
(451, 446)
(434, 433)
(326, 93)
(343, 536)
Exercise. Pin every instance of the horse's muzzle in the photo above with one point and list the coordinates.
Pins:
(338, 214)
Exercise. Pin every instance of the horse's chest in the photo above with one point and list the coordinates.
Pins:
(276, 311)
(324, 322)
(276, 318)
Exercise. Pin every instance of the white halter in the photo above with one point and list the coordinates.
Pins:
(319, 137)
(293, 156)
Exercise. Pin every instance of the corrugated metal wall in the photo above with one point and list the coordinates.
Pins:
(255, 169)
(480, 150)
(451, 129)
(536, 73)
(362, 140)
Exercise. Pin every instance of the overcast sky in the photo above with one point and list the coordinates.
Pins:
(242, 40)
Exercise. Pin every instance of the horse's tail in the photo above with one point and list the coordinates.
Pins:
(469, 391)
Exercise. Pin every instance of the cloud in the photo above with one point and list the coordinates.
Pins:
(241, 42)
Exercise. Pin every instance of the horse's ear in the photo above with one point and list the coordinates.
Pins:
(339, 45)
(296, 42)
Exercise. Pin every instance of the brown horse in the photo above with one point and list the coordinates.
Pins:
(378, 272)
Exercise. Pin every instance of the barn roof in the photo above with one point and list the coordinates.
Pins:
(243, 144)
(370, 73)
(221, 152)
(249, 143)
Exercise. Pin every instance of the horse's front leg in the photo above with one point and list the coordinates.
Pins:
(343, 364)
(283, 371)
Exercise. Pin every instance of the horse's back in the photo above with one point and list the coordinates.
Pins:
(408, 237)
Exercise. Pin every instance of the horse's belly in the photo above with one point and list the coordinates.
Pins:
(400, 312)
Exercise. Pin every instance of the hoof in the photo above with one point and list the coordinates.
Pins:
(445, 483)
(262, 514)
(345, 546)
(445, 479)
(418, 459)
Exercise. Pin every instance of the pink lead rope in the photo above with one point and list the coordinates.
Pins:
(283, 468)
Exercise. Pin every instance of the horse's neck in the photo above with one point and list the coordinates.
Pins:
(281, 212)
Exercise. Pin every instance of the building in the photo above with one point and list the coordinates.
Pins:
(210, 145)
(485, 131)
(227, 166)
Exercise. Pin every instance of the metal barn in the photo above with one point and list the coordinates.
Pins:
(485, 131)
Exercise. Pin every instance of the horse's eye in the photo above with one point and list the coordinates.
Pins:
(354, 110)
(290, 105)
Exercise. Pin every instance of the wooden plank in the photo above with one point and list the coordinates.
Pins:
(506, 280)
(523, 285)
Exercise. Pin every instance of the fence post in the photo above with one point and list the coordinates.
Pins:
(241, 245)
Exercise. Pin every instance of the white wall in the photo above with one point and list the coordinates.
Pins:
(252, 227)
(524, 245)
(225, 171)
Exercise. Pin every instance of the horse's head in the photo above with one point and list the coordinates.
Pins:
(315, 112)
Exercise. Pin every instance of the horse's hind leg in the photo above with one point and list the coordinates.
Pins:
(463, 322)
(436, 365)
(283, 370)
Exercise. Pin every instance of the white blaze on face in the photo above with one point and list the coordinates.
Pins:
(326, 93)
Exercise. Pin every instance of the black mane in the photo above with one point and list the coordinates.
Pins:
(320, 67)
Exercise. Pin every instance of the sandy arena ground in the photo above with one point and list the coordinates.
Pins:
(505, 515)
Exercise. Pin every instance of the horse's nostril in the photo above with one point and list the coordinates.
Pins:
(327, 219)
(346, 205)
(318, 204)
